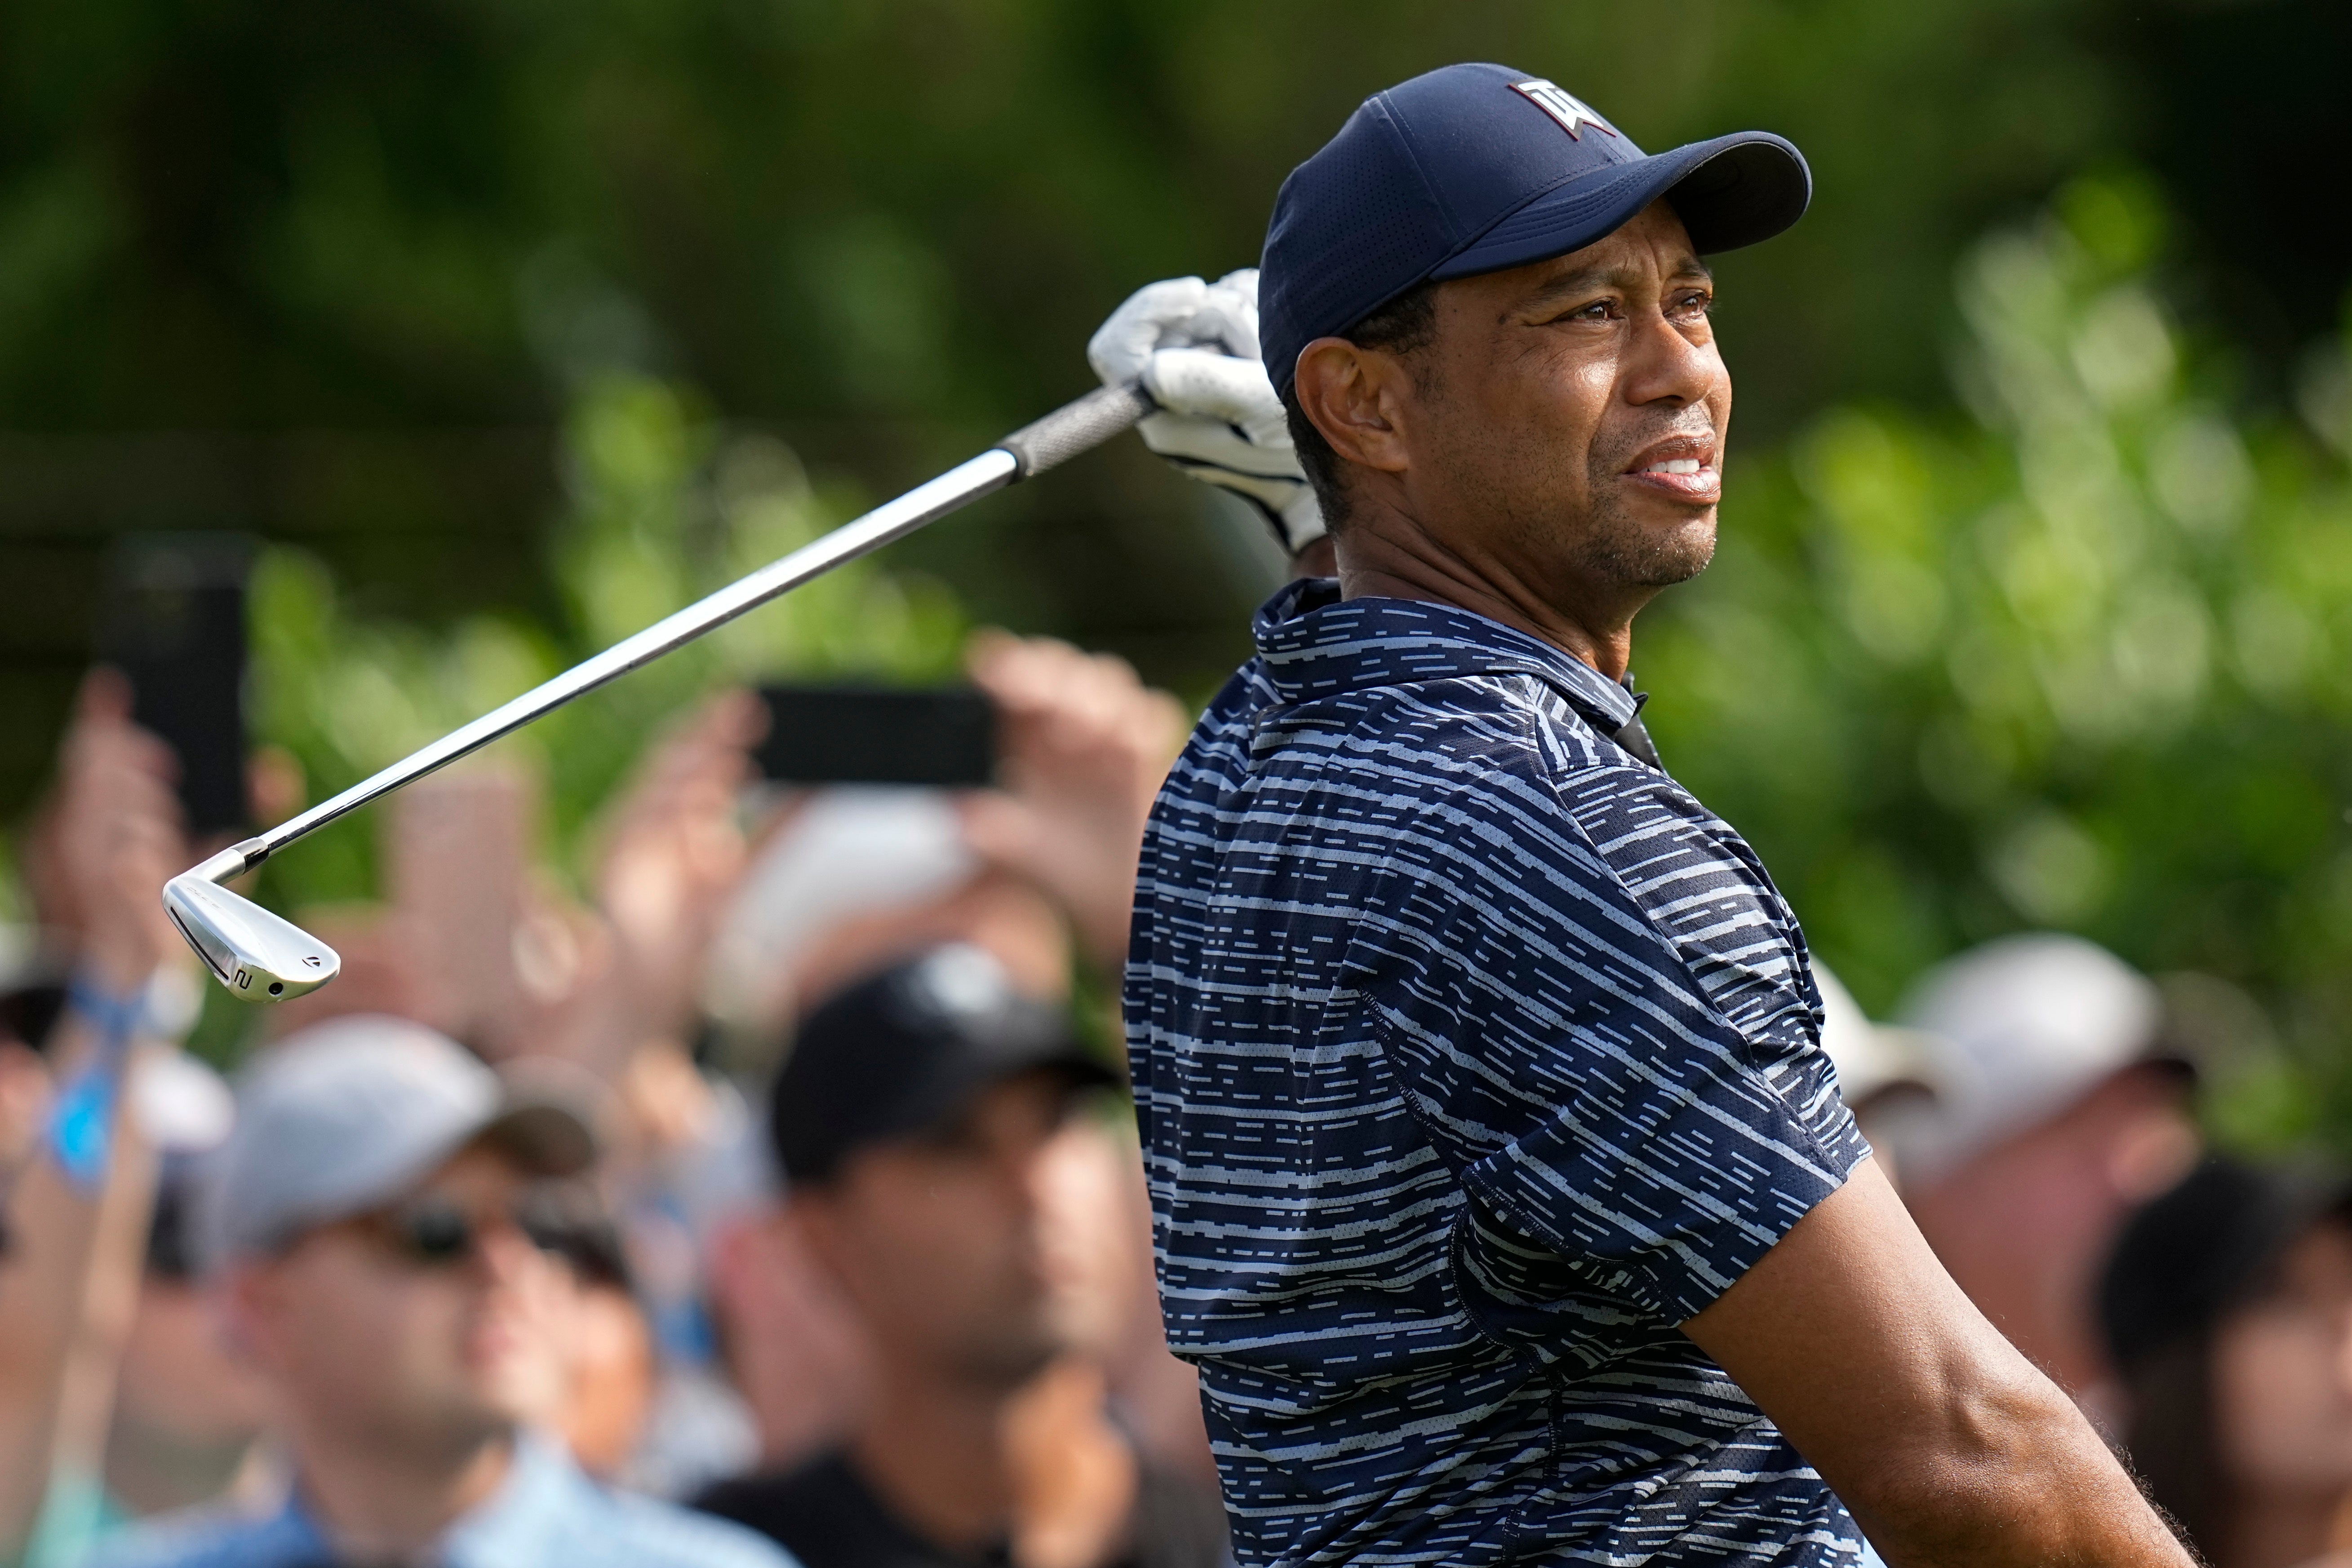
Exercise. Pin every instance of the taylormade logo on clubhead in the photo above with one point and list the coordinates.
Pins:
(263, 959)
(249, 950)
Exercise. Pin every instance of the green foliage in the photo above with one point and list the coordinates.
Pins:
(2079, 661)
(665, 506)
(884, 226)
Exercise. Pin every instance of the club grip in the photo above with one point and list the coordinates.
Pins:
(1076, 427)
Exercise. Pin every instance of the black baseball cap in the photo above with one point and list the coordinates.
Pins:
(2206, 1247)
(902, 1051)
(1477, 168)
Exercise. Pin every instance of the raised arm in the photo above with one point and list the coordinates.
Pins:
(1948, 1445)
(77, 1215)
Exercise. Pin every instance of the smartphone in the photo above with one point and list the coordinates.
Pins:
(942, 736)
(172, 619)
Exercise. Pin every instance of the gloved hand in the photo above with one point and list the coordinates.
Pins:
(1195, 346)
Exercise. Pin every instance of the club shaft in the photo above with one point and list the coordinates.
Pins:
(893, 520)
(1069, 430)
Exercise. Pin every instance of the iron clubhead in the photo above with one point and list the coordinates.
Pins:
(252, 952)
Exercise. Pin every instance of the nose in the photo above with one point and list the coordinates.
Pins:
(503, 1253)
(1663, 364)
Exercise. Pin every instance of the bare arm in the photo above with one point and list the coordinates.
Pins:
(67, 1287)
(41, 1284)
(1948, 1445)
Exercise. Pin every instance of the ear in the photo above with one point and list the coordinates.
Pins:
(246, 1302)
(806, 1221)
(1357, 397)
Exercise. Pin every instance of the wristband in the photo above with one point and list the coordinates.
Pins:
(116, 1018)
(81, 1123)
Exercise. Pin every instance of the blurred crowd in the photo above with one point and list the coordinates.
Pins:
(772, 1194)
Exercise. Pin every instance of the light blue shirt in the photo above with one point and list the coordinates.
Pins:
(546, 1514)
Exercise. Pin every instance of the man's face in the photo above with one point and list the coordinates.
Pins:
(417, 1348)
(1564, 428)
(944, 1243)
(2281, 1375)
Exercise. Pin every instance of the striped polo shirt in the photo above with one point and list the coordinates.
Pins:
(1472, 1056)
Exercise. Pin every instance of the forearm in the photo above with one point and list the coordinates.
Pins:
(109, 1298)
(1949, 1445)
(52, 1223)
(2015, 1474)
(40, 1292)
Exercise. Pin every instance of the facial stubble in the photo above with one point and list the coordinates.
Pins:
(1604, 542)
(1616, 548)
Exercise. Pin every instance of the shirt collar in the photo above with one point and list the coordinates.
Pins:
(1312, 644)
(541, 1489)
(511, 1525)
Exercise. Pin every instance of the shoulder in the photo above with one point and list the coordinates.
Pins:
(553, 1512)
(202, 1538)
(647, 1533)
(821, 1510)
(758, 1497)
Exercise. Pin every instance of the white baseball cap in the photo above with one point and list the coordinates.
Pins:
(852, 850)
(1871, 1058)
(347, 1115)
(2022, 1027)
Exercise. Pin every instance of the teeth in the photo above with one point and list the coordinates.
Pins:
(1676, 465)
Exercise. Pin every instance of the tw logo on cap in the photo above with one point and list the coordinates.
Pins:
(1562, 105)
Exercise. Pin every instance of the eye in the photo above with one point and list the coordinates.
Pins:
(1596, 310)
(1691, 305)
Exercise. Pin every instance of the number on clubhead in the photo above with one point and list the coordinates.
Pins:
(252, 952)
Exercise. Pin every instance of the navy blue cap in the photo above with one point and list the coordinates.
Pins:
(1475, 168)
(904, 1050)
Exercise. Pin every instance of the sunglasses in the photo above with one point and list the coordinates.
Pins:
(438, 1232)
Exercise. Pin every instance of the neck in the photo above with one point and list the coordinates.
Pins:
(2275, 1530)
(966, 1466)
(1385, 552)
(377, 1500)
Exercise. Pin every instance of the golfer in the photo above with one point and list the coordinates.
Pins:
(1504, 1197)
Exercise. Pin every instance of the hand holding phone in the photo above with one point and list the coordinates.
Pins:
(172, 621)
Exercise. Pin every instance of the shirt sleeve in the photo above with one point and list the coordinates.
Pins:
(1567, 1062)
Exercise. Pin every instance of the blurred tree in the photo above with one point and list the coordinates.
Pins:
(666, 506)
(885, 228)
(2077, 661)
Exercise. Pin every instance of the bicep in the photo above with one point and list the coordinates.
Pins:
(1851, 1337)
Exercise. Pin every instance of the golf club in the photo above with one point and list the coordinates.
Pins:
(264, 958)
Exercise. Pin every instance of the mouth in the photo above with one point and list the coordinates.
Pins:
(1682, 466)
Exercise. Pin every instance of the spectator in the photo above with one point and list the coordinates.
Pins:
(610, 1365)
(108, 835)
(2227, 1312)
(1046, 858)
(2063, 1110)
(188, 1409)
(1886, 1076)
(850, 880)
(923, 1119)
(371, 1224)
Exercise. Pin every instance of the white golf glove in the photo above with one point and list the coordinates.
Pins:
(1195, 346)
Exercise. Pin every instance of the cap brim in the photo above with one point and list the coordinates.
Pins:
(940, 1098)
(948, 1093)
(547, 1137)
(1729, 191)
